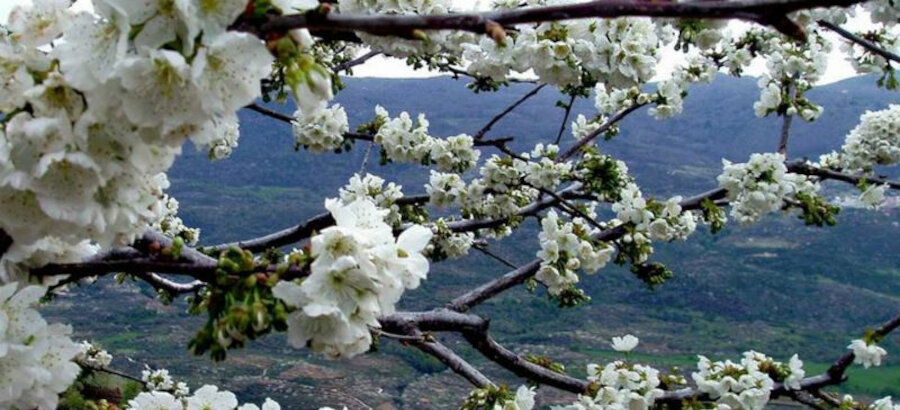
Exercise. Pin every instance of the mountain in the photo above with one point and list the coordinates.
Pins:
(777, 286)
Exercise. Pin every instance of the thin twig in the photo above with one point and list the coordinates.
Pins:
(509, 109)
(499, 143)
(599, 131)
(355, 62)
(562, 126)
(498, 258)
(866, 44)
(270, 113)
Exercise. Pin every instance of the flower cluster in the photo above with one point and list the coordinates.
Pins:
(92, 356)
(172, 226)
(427, 43)
(404, 141)
(541, 168)
(359, 272)
(621, 52)
(866, 354)
(321, 129)
(159, 380)
(792, 69)
(445, 189)
(500, 398)
(661, 221)
(372, 187)
(565, 248)
(620, 385)
(867, 62)
(875, 141)
(746, 385)
(625, 385)
(207, 397)
(36, 358)
(762, 185)
(92, 120)
(448, 244)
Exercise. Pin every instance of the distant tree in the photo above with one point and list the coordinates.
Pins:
(97, 105)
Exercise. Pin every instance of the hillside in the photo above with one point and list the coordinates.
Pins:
(777, 287)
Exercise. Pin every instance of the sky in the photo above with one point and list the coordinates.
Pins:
(385, 67)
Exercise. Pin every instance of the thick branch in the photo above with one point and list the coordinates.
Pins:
(475, 330)
(459, 365)
(771, 12)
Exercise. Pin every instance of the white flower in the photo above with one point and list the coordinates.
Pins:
(215, 16)
(39, 23)
(524, 399)
(581, 127)
(162, 21)
(210, 398)
(873, 196)
(866, 354)
(93, 48)
(160, 90)
(625, 343)
(155, 400)
(797, 373)
(227, 70)
(761, 185)
(884, 403)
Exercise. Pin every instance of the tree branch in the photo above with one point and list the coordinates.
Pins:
(297, 233)
(508, 110)
(771, 12)
(356, 61)
(866, 44)
(786, 125)
(475, 330)
(176, 288)
(499, 143)
(459, 365)
(605, 127)
(562, 126)
(520, 275)
(802, 167)
(5, 242)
